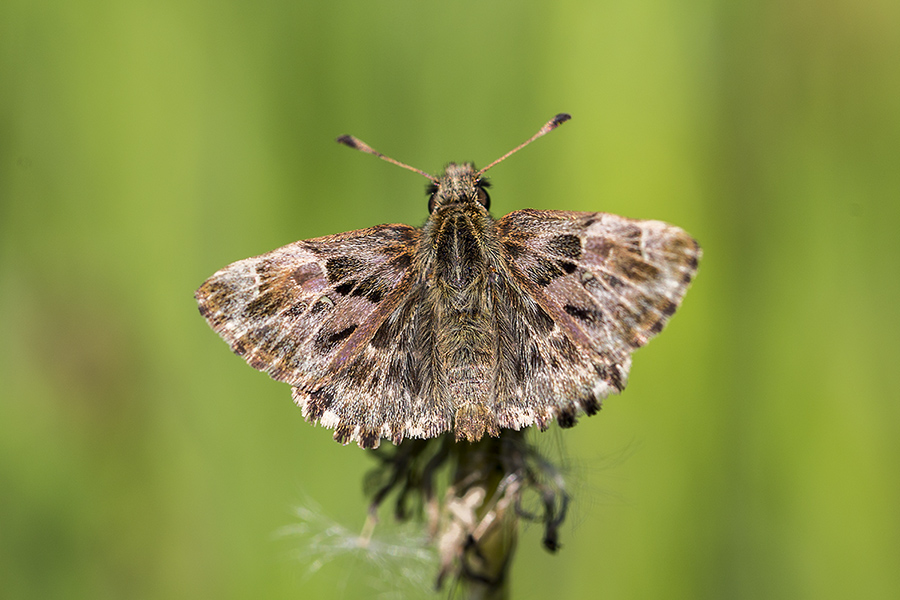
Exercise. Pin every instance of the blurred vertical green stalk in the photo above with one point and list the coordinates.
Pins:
(480, 528)
(474, 523)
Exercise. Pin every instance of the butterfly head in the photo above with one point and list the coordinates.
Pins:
(459, 184)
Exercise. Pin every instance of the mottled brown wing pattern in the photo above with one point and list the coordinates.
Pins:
(596, 287)
(467, 324)
(300, 311)
(387, 389)
(540, 372)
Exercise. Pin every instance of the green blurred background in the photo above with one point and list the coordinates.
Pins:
(144, 145)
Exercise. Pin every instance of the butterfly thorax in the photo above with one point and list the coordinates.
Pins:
(457, 250)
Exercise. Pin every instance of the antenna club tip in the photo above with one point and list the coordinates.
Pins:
(560, 119)
(348, 140)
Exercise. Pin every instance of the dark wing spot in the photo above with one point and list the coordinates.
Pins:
(631, 238)
(615, 378)
(343, 432)
(368, 438)
(342, 334)
(566, 245)
(611, 281)
(269, 274)
(205, 311)
(319, 401)
(326, 342)
(636, 269)
(584, 314)
(339, 267)
(345, 287)
(668, 308)
(568, 267)
(566, 417)
(401, 261)
(371, 288)
(322, 304)
(396, 434)
(296, 310)
(679, 244)
(214, 291)
(269, 303)
(591, 405)
(544, 272)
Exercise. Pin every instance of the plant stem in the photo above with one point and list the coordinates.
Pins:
(491, 544)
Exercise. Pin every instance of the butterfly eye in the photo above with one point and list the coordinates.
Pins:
(483, 197)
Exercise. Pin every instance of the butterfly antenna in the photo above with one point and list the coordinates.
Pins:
(547, 128)
(349, 140)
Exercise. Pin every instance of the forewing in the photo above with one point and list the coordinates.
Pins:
(598, 286)
(299, 311)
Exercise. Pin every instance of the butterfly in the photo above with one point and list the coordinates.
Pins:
(466, 324)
